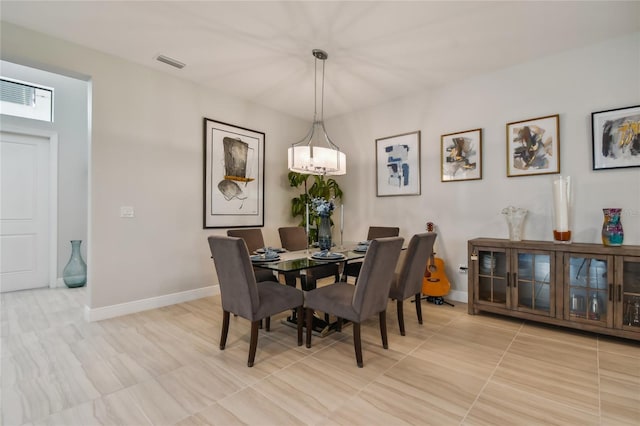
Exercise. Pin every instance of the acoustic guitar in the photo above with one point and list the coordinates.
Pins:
(435, 282)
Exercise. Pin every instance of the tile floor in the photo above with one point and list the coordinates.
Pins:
(163, 367)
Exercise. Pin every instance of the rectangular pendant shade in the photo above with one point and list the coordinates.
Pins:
(316, 160)
(316, 154)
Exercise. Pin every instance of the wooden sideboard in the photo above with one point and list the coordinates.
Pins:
(589, 287)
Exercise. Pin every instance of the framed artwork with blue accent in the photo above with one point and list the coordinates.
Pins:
(461, 156)
(533, 146)
(398, 165)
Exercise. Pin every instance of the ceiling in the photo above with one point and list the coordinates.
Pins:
(378, 51)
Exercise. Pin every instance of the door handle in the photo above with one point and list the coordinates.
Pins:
(515, 279)
(610, 292)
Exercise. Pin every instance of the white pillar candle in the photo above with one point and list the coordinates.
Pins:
(561, 193)
(307, 215)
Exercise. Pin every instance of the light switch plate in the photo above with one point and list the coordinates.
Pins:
(127, 211)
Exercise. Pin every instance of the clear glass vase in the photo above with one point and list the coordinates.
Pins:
(515, 220)
(612, 232)
(324, 233)
(75, 273)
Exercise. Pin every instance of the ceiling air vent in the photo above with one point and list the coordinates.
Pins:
(170, 61)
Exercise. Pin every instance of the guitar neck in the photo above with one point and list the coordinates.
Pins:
(431, 227)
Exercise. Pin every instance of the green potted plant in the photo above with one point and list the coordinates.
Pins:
(320, 188)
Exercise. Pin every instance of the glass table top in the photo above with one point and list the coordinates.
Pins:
(299, 260)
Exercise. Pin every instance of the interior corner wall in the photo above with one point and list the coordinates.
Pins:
(572, 84)
(71, 125)
(146, 152)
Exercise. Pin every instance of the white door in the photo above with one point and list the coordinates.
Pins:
(24, 211)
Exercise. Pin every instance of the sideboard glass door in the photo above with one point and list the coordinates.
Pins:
(590, 295)
(628, 293)
(492, 277)
(533, 282)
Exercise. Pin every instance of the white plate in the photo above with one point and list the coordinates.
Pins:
(259, 259)
(275, 249)
(360, 249)
(331, 256)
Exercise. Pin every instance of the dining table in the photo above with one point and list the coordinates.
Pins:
(313, 257)
(300, 260)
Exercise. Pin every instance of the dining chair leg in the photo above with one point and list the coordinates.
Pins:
(383, 329)
(299, 317)
(418, 301)
(267, 324)
(253, 343)
(400, 304)
(339, 323)
(225, 329)
(309, 325)
(357, 344)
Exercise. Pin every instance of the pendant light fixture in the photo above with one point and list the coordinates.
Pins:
(316, 154)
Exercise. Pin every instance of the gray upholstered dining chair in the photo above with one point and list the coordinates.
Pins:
(407, 281)
(241, 295)
(357, 303)
(254, 240)
(252, 237)
(295, 238)
(353, 269)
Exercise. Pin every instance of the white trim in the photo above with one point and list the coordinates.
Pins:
(89, 245)
(97, 314)
(52, 136)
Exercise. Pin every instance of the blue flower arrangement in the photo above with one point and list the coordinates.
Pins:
(323, 207)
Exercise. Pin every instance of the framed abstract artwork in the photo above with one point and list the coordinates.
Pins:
(616, 138)
(398, 165)
(461, 156)
(233, 176)
(533, 146)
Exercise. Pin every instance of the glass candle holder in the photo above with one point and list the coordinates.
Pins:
(562, 206)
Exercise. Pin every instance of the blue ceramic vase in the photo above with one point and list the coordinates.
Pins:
(324, 233)
(75, 273)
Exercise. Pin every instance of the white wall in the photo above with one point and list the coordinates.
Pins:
(146, 152)
(572, 84)
(71, 124)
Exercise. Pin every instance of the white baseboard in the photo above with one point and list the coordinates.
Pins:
(458, 296)
(112, 311)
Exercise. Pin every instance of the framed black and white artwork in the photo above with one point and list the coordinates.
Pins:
(233, 176)
(616, 138)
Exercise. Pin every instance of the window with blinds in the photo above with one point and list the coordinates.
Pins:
(25, 100)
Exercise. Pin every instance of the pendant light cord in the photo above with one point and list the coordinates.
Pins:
(315, 89)
(322, 95)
